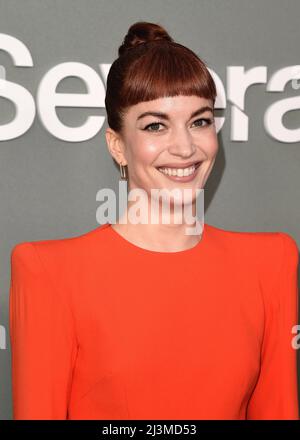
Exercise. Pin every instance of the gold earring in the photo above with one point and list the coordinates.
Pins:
(123, 172)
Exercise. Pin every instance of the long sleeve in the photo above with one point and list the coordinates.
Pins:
(42, 338)
(275, 394)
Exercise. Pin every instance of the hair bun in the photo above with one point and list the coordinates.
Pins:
(143, 32)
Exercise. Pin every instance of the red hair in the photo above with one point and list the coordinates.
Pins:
(152, 65)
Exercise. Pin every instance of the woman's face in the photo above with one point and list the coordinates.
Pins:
(175, 133)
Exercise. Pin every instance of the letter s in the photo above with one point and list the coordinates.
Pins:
(18, 95)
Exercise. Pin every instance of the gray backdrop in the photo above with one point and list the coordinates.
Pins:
(48, 185)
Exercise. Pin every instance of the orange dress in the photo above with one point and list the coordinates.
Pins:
(103, 329)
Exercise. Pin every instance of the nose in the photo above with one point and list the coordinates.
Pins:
(181, 143)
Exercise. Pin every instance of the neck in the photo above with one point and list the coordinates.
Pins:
(169, 231)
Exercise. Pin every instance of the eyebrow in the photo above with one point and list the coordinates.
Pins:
(166, 117)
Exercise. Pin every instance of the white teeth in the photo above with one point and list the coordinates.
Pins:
(179, 172)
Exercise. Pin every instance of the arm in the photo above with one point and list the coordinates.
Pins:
(275, 394)
(42, 337)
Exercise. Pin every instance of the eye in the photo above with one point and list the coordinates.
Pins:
(207, 120)
(154, 124)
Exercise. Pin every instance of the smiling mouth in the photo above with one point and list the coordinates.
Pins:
(179, 172)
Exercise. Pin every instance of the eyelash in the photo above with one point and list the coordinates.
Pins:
(207, 120)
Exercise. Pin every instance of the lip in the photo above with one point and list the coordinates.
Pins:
(180, 165)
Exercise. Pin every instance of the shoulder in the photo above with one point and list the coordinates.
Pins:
(289, 248)
(272, 257)
(262, 244)
(268, 250)
(56, 252)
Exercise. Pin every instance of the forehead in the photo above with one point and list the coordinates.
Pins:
(173, 105)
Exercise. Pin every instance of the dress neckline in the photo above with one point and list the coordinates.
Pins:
(128, 244)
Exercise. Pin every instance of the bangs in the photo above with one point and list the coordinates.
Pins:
(167, 71)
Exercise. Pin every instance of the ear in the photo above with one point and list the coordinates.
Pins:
(115, 145)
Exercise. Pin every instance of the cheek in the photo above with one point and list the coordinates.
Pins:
(145, 151)
(210, 144)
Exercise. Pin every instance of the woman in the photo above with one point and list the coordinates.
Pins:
(143, 321)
